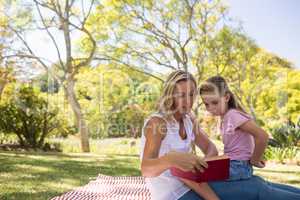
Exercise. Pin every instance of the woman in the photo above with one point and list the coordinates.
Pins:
(166, 142)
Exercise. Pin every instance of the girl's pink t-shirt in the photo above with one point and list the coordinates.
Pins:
(238, 144)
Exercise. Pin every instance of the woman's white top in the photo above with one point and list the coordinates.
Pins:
(166, 186)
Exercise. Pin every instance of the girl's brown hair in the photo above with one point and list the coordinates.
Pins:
(218, 85)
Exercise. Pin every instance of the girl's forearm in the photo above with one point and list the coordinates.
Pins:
(260, 146)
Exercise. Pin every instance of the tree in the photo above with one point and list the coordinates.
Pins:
(6, 38)
(151, 36)
(64, 19)
(116, 99)
(6, 76)
(279, 103)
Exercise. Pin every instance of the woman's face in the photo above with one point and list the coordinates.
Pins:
(184, 96)
(215, 104)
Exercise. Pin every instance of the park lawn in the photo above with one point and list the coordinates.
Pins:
(279, 173)
(42, 176)
(33, 175)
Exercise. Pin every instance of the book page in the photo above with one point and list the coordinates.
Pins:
(221, 157)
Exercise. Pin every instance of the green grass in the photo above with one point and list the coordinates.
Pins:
(41, 176)
(44, 175)
(279, 173)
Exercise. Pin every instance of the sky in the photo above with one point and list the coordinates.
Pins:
(273, 24)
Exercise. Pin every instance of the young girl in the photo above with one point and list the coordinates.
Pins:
(244, 141)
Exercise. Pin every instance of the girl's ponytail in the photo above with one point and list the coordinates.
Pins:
(233, 103)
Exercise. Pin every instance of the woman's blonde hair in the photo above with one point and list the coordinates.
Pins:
(165, 104)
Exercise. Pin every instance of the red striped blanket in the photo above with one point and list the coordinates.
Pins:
(110, 187)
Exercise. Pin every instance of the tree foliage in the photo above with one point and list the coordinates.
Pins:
(111, 75)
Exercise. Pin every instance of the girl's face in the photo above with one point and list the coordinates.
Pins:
(184, 96)
(215, 104)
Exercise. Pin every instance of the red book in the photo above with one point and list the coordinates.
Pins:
(217, 170)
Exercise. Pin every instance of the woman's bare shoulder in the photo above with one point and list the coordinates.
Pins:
(155, 125)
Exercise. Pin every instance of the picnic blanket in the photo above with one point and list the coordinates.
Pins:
(110, 187)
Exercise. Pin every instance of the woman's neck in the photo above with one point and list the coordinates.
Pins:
(178, 116)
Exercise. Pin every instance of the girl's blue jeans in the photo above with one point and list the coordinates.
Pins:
(239, 170)
(254, 188)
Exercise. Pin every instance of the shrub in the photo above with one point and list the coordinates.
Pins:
(286, 135)
(281, 154)
(27, 115)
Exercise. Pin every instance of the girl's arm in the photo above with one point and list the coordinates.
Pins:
(261, 139)
(203, 189)
(152, 165)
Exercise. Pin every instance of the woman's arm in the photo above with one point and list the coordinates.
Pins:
(202, 141)
(209, 149)
(152, 165)
(205, 144)
(261, 139)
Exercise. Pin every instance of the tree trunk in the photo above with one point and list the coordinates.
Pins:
(21, 141)
(44, 130)
(81, 123)
(2, 85)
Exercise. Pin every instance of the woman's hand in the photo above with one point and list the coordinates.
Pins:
(259, 164)
(186, 161)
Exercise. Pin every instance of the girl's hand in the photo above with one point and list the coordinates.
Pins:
(259, 164)
(186, 161)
